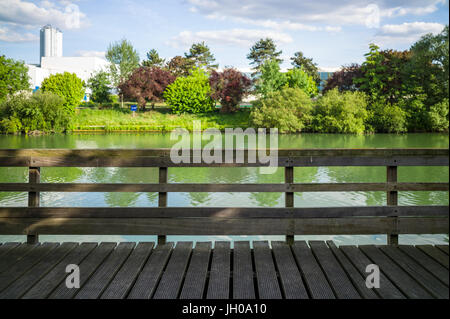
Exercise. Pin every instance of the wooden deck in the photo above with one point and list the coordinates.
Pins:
(305, 270)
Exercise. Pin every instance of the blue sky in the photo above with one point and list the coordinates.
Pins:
(332, 32)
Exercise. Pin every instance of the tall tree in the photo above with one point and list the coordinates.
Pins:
(343, 79)
(13, 76)
(179, 66)
(307, 65)
(123, 60)
(262, 51)
(153, 59)
(201, 56)
(100, 85)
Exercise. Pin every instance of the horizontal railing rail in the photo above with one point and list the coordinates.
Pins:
(162, 220)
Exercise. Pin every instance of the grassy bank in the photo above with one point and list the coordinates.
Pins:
(160, 119)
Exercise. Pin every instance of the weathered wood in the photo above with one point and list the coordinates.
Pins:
(436, 254)
(219, 277)
(34, 177)
(290, 277)
(50, 281)
(289, 200)
(243, 285)
(337, 278)
(443, 248)
(387, 289)
(5, 248)
(87, 268)
(392, 200)
(354, 275)
(400, 278)
(106, 272)
(14, 255)
(172, 279)
(194, 283)
(266, 275)
(123, 281)
(148, 279)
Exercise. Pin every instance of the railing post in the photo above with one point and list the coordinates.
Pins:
(162, 199)
(392, 199)
(289, 198)
(34, 177)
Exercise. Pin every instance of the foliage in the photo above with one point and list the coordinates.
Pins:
(153, 59)
(298, 78)
(66, 85)
(343, 79)
(123, 59)
(100, 85)
(386, 118)
(307, 65)
(201, 56)
(146, 84)
(262, 51)
(13, 77)
(229, 87)
(438, 116)
(289, 110)
(179, 66)
(39, 112)
(337, 112)
(191, 94)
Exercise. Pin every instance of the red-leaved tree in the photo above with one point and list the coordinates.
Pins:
(229, 87)
(146, 85)
(343, 79)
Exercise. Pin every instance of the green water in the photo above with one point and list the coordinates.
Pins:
(228, 175)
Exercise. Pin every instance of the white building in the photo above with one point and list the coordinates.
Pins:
(52, 60)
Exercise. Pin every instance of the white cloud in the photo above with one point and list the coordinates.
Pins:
(9, 35)
(239, 37)
(86, 53)
(405, 33)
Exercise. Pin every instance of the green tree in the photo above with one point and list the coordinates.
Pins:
(262, 51)
(201, 56)
(100, 85)
(271, 79)
(153, 59)
(298, 78)
(179, 66)
(68, 86)
(13, 77)
(123, 60)
(307, 65)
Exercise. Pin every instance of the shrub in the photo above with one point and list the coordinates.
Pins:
(191, 94)
(297, 78)
(340, 112)
(100, 85)
(438, 116)
(229, 87)
(66, 85)
(289, 110)
(416, 112)
(386, 118)
(39, 112)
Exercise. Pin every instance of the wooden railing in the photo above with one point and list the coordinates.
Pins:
(289, 221)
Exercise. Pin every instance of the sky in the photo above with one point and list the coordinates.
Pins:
(333, 33)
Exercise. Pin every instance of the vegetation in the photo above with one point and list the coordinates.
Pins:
(66, 85)
(307, 65)
(100, 85)
(13, 77)
(262, 51)
(153, 59)
(123, 59)
(201, 56)
(344, 79)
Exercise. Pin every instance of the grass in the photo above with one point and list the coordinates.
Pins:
(160, 119)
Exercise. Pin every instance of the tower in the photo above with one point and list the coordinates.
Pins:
(51, 42)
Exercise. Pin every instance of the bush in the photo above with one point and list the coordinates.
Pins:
(340, 112)
(191, 94)
(100, 85)
(43, 112)
(386, 118)
(229, 87)
(289, 110)
(438, 116)
(66, 85)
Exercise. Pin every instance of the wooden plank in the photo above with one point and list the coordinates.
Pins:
(148, 279)
(106, 272)
(87, 268)
(14, 255)
(123, 281)
(25, 263)
(400, 278)
(219, 277)
(435, 253)
(337, 278)
(172, 279)
(290, 277)
(243, 285)
(435, 268)
(316, 283)
(194, 283)
(6, 247)
(443, 248)
(236, 188)
(357, 279)
(19, 287)
(392, 200)
(387, 289)
(223, 226)
(422, 276)
(266, 275)
(50, 281)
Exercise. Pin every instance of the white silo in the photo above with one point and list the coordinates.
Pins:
(51, 42)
